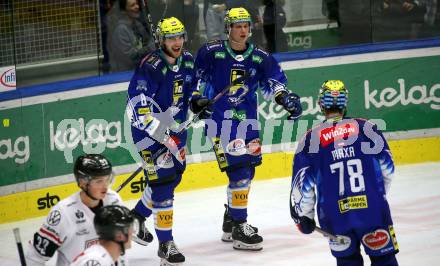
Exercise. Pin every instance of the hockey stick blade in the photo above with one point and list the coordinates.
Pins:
(340, 240)
(19, 246)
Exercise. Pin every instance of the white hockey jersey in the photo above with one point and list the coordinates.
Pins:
(94, 255)
(68, 229)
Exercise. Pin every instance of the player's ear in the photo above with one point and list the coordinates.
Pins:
(82, 183)
(120, 237)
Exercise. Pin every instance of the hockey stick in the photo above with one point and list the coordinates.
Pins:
(187, 124)
(135, 173)
(340, 240)
(19, 246)
(146, 11)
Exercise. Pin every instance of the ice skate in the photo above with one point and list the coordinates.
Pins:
(170, 254)
(228, 224)
(245, 237)
(143, 236)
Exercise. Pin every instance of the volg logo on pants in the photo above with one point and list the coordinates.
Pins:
(164, 219)
(17, 150)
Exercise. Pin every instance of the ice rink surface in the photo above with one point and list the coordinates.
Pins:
(414, 201)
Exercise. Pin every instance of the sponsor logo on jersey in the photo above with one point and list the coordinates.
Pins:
(220, 153)
(189, 64)
(376, 240)
(53, 218)
(19, 150)
(336, 245)
(47, 201)
(82, 232)
(238, 115)
(254, 147)
(92, 263)
(177, 91)
(338, 132)
(165, 160)
(393, 237)
(91, 242)
(236, 147)
(141, 85)
(149, 165)
(353, 203)
(220, 55)
(257, 59)
(80, 217)
(144, 110)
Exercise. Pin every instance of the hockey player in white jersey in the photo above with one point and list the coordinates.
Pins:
(114, 226)
(68, 228)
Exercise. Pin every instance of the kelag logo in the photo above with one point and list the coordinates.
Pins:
(47, 202)
(18, 150)
(7, 78)
(138, 186)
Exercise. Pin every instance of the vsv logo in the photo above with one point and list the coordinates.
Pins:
(138, 186)
(18, 150)
(47, 202)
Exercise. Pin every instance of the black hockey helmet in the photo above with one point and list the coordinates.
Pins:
(111, 219)
(91, 165)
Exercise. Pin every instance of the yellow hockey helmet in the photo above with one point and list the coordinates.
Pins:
(170, 27)
(236, 15)
(333, 95)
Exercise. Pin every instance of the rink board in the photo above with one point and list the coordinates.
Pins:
(36, 203)
(42, 129)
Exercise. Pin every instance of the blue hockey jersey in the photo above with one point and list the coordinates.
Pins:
(216, 67)
(346, 167)
(163, 91)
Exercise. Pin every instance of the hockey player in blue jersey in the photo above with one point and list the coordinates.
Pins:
(158, 98)
(235, 132)
(345, 166)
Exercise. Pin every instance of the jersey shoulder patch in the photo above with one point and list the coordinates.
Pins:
(260, 51)
(152, 59)
(214, 44)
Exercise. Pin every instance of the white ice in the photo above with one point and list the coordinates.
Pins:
(414, 201)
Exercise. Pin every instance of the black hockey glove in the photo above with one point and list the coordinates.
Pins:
(291, 103)
(306, 225)
(199, 105)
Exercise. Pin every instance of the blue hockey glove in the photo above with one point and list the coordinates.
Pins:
(199, 105)
(306, 225)
(291, 103)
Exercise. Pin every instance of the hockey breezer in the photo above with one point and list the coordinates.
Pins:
(186, 125)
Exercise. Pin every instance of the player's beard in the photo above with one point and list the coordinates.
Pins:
(171, 53)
